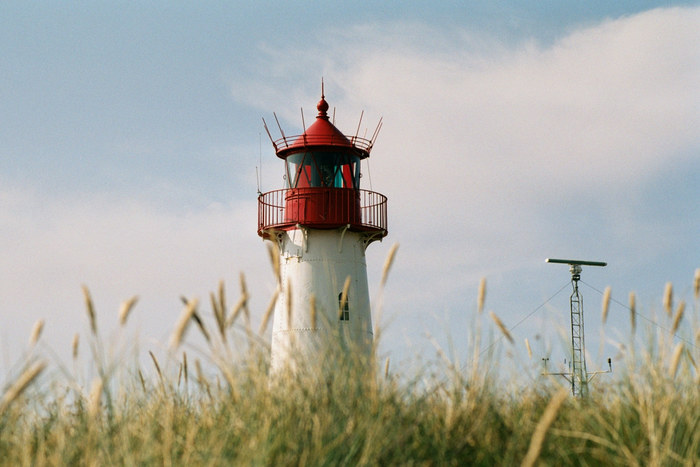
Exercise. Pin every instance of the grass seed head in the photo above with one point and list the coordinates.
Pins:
(696, 284)
(219, 315)
(529, 350)
(182, 323)
(668, 298)
(268, 313)
(274, 253)
(21, 384)
(200, 324)
(240, 305)
(689, 355)
(387, 264)
(90, 310)
(606, 303)
(288, 298)
(95, 398)
(633, 311)
(157, 366)
(501, 326)
(142, 380)
(222, 296)
(246, 310)
(200, 375)
(675, 359)
(184, 365)
(538, 436)
(481, 297)
(678, 317)
(75, 344)
(126, 308)
(36, 332)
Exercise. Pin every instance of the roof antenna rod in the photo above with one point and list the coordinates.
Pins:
(258, 173)
(376, 132)
(578, 377)
(358, 126)
(267, 130)
(284, 138)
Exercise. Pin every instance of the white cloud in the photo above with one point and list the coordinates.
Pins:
(118, 248)
(603, 109)
(611, 103)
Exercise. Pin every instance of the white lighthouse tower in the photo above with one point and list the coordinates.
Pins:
(322, 223)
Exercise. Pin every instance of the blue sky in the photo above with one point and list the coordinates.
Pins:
(513, 131)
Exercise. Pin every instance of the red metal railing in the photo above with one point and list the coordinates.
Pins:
(323, 208)
(285, 142)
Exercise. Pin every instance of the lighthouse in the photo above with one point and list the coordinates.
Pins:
(322, 223)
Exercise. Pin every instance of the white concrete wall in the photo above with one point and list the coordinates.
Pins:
(317, 263)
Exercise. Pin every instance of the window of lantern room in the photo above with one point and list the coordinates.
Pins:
(323, 169)
(298, 170)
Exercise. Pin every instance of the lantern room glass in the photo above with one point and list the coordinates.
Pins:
(329, 169)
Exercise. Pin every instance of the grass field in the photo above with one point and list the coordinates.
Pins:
(221, 407)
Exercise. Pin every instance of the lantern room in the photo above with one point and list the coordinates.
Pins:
(322, 156)
(322, 182)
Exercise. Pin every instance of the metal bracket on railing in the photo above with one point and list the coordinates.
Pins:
(279, 236)
(371, 237)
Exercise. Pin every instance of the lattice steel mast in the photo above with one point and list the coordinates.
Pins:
(578, 377)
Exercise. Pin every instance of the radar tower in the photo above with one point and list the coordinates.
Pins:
(578, 376)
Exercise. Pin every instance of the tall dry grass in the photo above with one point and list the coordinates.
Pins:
(340, 410)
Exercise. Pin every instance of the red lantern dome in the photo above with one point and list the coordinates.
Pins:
(321, 133)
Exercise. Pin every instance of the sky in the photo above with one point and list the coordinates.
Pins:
(132, 150)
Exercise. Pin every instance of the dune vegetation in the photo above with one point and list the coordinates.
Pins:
(216, 404)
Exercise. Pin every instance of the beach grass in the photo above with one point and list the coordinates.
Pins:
(218, 405)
